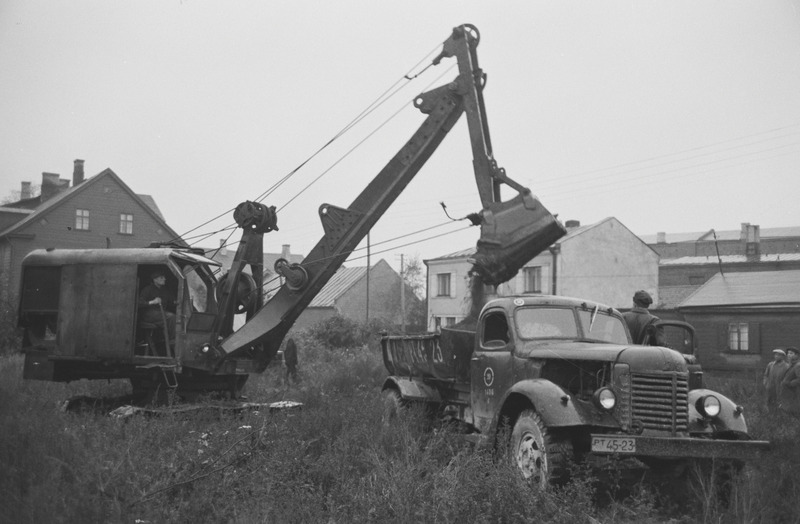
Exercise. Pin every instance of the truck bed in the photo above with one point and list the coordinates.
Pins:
(434, 356)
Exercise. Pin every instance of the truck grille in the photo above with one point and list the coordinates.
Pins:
(658, 401)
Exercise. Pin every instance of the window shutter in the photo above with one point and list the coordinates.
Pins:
(452, 285)
(755, 337)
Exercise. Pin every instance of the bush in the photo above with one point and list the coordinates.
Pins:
(339, 332)
(10, 336)
(335, 460)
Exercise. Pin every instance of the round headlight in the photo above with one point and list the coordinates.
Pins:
(708, 406)
(605, 398)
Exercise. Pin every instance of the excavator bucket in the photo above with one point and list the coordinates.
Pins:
(512, 233)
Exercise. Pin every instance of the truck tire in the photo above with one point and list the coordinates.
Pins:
(392, 404)
(539, 456)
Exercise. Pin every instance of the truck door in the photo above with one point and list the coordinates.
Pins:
(491, 366)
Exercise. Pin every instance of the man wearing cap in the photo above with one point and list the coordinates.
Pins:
(639, 318)
(155, 303)
(773, 376)
(789, 392)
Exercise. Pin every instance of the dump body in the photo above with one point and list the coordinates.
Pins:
(438, 356)
(565, 359)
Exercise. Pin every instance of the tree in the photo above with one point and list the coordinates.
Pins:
(16, 195)
(414, 276)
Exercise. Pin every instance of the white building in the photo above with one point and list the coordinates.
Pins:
(604, 262)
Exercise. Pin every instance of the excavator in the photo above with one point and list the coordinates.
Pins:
(78, 307)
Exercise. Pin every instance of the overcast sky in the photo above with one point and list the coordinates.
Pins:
(671, 115)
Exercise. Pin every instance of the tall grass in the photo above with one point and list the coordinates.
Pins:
(335, 460)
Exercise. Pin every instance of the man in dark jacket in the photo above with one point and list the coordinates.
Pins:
(639, 318)
(290, 360)
(156, 302)
(773, 376)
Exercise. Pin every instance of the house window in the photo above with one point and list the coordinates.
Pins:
(126, 224)
(443, 285)
(440, 322)
(738, 336)
(533, 279)
(82, 219)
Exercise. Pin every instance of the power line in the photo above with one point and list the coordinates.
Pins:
(385, 96)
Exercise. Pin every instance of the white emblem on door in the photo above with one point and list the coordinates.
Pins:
(488, 377)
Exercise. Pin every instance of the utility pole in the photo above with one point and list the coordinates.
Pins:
(402, 295)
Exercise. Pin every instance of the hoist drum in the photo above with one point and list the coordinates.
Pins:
(245, 292)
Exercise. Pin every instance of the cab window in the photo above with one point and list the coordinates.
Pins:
(602, 327)
(495, 330)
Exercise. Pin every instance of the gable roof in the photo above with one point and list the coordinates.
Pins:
(730, 259)
(151, 203)
(730, 234)
(748, 289)
(571, 233)
(342, 281)
(64, 196)
(339, 283)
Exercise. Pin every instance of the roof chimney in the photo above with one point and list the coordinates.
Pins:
(751, 236)
(286, 251)
(25, 191)
(50, 183)
(572, 224)
(77, 173)
(661, 237)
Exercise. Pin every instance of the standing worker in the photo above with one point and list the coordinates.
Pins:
(639, 319)
(290, 360)
(773, 376)
(789, 392)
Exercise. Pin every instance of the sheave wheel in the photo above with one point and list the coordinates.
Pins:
(537, 454)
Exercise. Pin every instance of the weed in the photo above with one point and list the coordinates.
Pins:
(332, 461)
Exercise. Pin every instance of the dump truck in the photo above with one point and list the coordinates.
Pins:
(78, 307)
(562, 379)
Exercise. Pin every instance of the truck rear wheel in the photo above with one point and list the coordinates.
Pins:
(392, 404)
(539, 456)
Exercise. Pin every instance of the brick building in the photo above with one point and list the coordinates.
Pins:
(98, 212)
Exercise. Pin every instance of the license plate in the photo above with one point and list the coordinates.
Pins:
(614, 444)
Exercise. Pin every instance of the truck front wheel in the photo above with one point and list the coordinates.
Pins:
(538, 455)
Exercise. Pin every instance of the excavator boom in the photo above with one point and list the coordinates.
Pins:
(512, 232)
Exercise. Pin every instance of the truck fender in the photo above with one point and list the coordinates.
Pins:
(411, 389)
(554, 405)
(730, 418)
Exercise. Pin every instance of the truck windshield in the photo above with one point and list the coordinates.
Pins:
(546, 322)
(602, 327)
